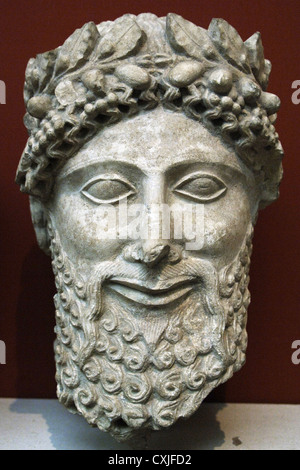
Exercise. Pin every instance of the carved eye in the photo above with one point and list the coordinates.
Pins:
(200, 187)
(107, 189)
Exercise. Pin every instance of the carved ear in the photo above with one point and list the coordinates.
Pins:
(39, 220)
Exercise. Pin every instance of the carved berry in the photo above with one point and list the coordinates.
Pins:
(134, 76)
(185, 73)
(214, 99)
(38, 106)
(250, 90)
(89, 108)
(226, 103)
(43, 140)
(255, 124)
(46, 126)
(80, 101)
(270, 102)
(58, 123)
(112, 99)
(50, 133)
(101, 105)
(221, 81)
(236, 109)
(93, 80)
(39, 134)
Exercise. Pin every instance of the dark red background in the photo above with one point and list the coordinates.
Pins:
(29, 27)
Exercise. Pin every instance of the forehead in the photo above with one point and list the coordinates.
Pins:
(155, 141)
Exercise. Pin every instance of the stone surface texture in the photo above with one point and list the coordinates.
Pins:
(151, 149)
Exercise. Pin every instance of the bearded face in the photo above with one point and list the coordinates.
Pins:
(147, 326)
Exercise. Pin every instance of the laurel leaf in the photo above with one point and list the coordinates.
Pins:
(229, 43)
(267, 71)
(45, 63)
(257, 59)
(77, 48)
(31, 82)
(186, 37)
(123, 38)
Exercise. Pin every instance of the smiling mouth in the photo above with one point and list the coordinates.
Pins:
(152, 293)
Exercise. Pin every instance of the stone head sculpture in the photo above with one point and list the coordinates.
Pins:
(151, 149)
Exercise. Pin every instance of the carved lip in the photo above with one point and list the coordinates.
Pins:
(153, 292)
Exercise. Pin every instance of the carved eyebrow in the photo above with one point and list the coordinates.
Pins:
(186, 168)
(184, 159)
(96, 162)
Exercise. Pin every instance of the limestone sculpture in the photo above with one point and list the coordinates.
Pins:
(138, 128)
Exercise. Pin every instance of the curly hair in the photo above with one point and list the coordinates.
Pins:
(104, 74)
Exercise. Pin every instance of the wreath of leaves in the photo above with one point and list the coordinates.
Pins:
(220, 43)
(53, 75)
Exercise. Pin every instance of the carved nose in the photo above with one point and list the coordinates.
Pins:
(149, 252)
(153, 251)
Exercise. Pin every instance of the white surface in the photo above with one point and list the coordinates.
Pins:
(45, 424)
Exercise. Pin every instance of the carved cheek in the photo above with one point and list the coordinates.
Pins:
(225, 227)
(82, 229)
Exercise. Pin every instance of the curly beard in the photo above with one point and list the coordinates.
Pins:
(126, 369)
